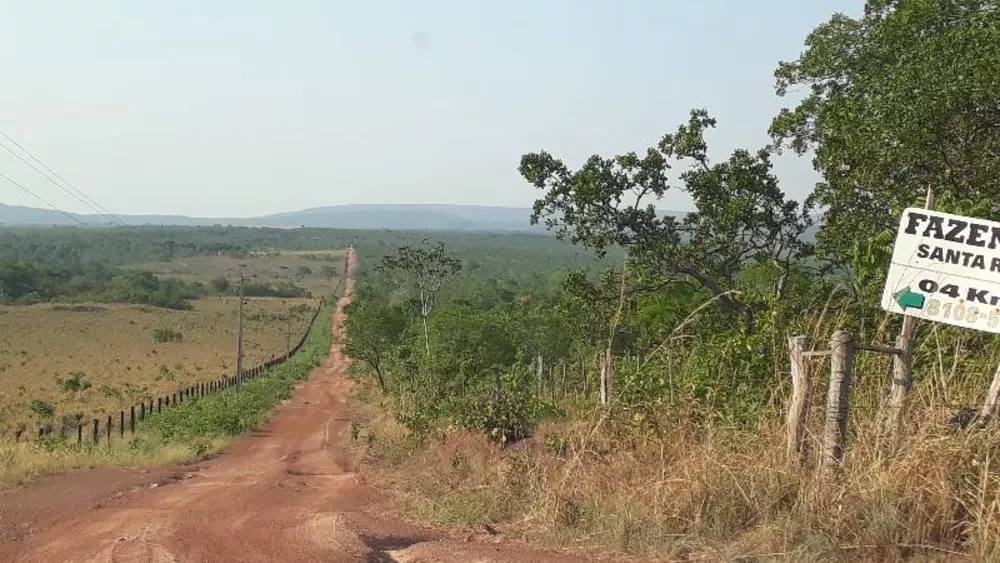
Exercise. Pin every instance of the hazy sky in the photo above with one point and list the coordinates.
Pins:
(233, 108)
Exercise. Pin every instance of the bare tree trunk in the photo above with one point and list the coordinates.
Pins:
(798, 408)
(424, 311)
(427, 339)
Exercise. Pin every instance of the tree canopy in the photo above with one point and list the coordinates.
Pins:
(903, 98)
(742, 216)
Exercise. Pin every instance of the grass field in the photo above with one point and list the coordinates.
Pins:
(316, 271)
(194, 430)
(97, 359)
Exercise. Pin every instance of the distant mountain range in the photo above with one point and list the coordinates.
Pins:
(401, 217)
(374, 216)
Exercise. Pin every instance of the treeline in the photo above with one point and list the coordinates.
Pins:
(78, 247)
(24, 283)
(80, 264)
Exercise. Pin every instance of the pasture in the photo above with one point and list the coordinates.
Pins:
(60, 360)
(316, 271)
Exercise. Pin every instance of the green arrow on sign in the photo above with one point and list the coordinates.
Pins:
(909, 299)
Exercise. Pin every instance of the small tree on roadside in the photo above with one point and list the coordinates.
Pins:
(426, 268)
(372, 330)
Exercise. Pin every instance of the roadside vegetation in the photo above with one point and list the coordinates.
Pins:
(688, 457)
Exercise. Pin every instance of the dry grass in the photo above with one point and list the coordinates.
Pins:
(272, 267)
(23, 462)
(686, 494)
(113, 349)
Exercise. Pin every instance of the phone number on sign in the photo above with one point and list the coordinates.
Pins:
(962, 312)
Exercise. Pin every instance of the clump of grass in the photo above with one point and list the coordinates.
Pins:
(23, 462)
(167, 335)
(74, 383)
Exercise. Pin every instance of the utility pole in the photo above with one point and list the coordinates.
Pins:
(239, 348)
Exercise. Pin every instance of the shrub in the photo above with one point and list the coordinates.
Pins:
(167, 335)
(74, 383)
(42, 408)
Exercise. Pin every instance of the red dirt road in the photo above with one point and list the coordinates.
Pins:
(287, 493)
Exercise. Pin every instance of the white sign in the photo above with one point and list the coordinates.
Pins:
(946, 268)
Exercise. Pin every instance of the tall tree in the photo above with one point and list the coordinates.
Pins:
(741, 213)
(903, 98)
(425, 268)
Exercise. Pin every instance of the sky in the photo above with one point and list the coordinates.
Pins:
(240, 108)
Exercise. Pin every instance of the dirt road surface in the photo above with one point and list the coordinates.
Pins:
(287, 493)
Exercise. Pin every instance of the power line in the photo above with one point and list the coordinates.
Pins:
(78, 195)
(41, 199)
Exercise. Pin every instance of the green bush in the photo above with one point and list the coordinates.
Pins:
(167, 335)
(74, 383)
(43, 409)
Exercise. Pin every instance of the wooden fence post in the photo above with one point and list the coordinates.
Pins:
(838, 402)
(902, 381)
(610, 382)
(607, 373)
(142, 412)
(563, 385)
(97, 432)
(538, 376)
(989, 408)
(109, 429)
(798, 408)
(121, 423)
(131, 419)
(552, 385)
(497, 390)
(79, 433)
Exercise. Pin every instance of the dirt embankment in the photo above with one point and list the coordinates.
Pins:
(287, 493)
